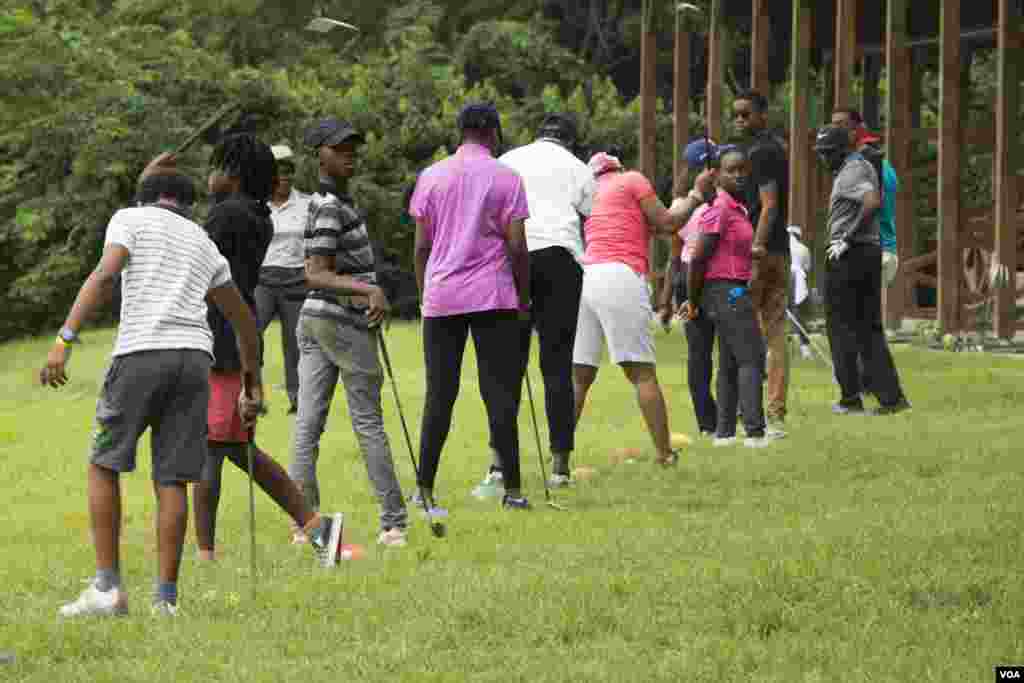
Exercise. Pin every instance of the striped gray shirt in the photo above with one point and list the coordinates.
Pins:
(172, 264)
(336, 229)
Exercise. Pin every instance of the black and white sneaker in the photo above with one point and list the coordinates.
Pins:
(326, 539)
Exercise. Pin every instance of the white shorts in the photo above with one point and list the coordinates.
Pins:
(890, 266)
(615, 307)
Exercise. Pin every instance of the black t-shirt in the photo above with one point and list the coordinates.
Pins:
(768, 165)
(242, 229)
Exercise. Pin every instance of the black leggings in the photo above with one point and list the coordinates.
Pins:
(496, 339)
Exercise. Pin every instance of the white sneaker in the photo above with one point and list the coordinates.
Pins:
(162, 608)
(560, 481)
(326, 540)
(770, 436)
(394, 538)
(95, 603)
(722, 441)
(492, 486)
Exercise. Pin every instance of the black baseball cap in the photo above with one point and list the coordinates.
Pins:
(331, 131)
(831, 139)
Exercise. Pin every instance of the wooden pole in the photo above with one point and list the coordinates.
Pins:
(1010, 45)
(801, 163)
(760, 79)
(648, 92)
(899, 149)
(681, 104)
(846, 50)
(716, 72)
(950, 140)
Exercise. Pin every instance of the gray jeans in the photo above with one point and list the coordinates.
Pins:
(327, 349)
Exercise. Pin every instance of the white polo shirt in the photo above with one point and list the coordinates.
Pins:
(559, 187)
(287, 248)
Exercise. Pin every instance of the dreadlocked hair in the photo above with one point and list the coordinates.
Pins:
(246, 157)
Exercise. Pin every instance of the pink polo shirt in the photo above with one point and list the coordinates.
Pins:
(689, 234)
(728, 219)
(617, 230)
(468, 201)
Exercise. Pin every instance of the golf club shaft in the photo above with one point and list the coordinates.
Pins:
(536, 434)
(793, 319)
(250, 456)
(405, 428)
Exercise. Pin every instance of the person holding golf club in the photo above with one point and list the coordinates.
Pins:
(615, 306)
(241, 182)
(767, 199)
(853, 277)
(700, 332)
(473, 271)
(282, 279)
(718, 283)
(158, 376)
(560, 192)
(338, 331)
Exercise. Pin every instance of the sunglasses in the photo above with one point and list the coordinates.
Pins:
(743, 114)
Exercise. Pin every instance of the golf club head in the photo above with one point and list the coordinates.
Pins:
(438, 529)
(691, 10)
(325, 25)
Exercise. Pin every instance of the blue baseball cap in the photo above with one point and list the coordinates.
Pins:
(700, 152)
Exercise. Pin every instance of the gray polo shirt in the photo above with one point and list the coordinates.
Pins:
(855, 179)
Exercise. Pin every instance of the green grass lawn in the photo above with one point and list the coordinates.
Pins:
(859, 549)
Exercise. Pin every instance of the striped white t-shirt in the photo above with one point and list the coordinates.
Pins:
(172, 264)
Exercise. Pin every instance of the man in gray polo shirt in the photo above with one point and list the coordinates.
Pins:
(853, 284)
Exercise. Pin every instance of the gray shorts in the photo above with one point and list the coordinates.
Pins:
(167, 391)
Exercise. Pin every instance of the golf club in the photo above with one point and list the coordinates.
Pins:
(793, 319)
(250, 456)
(436, 527)
(540, 451)
(205, 127)
(325, 25)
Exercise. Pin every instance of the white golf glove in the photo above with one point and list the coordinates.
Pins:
(998, 275)
(836, 249)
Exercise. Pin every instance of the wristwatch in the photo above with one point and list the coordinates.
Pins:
(67, 335)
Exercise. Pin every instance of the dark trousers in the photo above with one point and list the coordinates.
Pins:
(497, 336)
(741, 358)
(285, 303)
(700, 339)
(556, 283)
(853, 309)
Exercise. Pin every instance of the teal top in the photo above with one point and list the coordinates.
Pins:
(887, 214)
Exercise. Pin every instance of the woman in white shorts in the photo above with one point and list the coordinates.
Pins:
(615, 308)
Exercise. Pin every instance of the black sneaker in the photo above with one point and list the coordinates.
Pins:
(848, 408)
(510, 503)
(326, 539)
(898, 407)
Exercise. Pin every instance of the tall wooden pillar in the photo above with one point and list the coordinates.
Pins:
(870, 98)
(760, 79)
(1010, 44)
(846, 50)
(648, 108)
(716, 72)
(899, 150)
(950, 141)
(681, 104)
(648, 92)
(801, 191)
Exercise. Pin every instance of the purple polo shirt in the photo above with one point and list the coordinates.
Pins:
(467, 202)
(728, 219)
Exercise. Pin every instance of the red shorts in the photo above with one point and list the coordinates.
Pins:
(223, 423)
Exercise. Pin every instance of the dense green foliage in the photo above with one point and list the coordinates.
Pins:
(103, 86)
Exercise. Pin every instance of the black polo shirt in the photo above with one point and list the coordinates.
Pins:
(768, 164)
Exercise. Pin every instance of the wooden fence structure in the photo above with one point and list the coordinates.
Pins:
(967, 239)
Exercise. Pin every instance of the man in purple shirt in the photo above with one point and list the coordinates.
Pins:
(472, 269)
